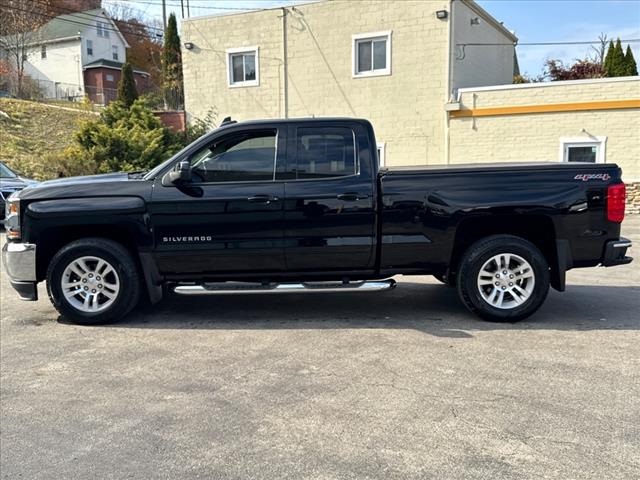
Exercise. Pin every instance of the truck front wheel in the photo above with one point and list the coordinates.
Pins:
(503, 278)
(93, 281)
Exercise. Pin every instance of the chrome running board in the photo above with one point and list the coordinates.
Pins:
(309, 287)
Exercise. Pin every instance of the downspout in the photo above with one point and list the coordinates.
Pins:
(285, 64)
(448, 82)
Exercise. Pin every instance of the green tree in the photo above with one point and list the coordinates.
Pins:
(631, 68)
(618, 64)
(172, 66)
(125, 139)
(127, 93)
(609, 58)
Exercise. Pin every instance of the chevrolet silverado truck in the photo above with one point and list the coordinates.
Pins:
(302, 206)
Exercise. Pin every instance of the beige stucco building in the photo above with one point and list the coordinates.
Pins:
(394, 63)
(434, 78)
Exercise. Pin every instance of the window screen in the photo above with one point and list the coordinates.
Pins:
(325, 152)
(241, 157)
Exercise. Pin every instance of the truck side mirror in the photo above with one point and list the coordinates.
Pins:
(181, 173)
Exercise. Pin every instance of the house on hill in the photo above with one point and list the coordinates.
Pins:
(76, 55)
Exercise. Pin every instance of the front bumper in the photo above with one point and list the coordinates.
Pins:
(615, 253)
(19, 260)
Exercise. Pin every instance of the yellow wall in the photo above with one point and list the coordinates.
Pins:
(536, 136)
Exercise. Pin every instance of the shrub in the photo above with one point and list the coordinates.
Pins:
(127, 139)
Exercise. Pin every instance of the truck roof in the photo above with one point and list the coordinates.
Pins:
(271, 121)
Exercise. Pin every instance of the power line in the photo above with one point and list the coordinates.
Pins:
(204, 7)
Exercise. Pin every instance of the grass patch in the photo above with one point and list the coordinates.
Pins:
(32, 133)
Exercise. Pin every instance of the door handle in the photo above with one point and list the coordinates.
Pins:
(351, 197)
(262, 199)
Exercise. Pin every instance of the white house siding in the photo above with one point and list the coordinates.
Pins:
(102, 46)
(60, 74)
(476, 65)
(62, 65)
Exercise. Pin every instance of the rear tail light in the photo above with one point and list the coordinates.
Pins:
(615, 202)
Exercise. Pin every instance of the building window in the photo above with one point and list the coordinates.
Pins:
(583, 149)
(102, 30)
(89, 48)
(43, 51)
(114, 52)
(371, 54)
(243, 67)
(109, 77)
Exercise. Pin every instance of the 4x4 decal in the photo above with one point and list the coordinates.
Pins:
(585, 177)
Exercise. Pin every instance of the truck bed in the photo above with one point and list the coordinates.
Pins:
(498, 167)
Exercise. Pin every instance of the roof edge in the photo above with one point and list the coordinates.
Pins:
(490, 18)
(559, 83)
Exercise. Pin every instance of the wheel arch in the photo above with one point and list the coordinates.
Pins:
(537, 229)
(56, 237)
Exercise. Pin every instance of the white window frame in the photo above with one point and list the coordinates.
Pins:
(599, 142)
(382, 160)
(115, 53)
(234, 51)
(89, 45)
(360, 37)
(109, 78)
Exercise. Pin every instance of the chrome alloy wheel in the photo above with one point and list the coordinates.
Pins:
(90, 284)
(506, 281)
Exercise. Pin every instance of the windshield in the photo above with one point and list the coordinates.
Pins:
(5, 172)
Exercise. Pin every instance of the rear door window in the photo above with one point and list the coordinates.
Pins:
(323, 152)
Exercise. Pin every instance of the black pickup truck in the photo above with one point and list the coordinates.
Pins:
(301, 206)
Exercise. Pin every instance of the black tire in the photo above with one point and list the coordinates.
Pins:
(482, 251)
(122, 262)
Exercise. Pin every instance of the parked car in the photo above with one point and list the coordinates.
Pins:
(10, 182)
(301, 206)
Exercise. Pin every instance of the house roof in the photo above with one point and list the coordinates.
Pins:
(68, 25)
(112, 64)
(71, 25)
(491, 19)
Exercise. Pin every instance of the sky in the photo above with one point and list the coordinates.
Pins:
(532, 21)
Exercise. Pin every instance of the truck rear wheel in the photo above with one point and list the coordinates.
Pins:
(503, 278)
(93, 281)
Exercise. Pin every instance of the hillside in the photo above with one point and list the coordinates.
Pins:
(33, 135)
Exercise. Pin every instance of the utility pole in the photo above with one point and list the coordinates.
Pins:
(182, 7)
(164, 14)
(188, 12)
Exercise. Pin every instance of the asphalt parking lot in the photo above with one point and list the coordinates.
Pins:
(402, 384)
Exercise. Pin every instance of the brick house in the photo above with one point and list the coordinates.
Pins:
(101, 79)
